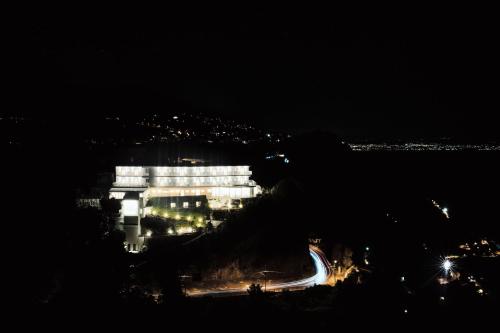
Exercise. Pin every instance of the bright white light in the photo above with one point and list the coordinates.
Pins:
(170, 231)
(130, 207)
(447, 265)
(149, 233)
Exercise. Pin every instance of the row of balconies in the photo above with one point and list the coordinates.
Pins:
(183, 181)
(205, 171)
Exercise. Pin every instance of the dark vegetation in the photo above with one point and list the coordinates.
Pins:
(67, 255)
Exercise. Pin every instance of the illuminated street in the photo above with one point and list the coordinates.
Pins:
(321, 265)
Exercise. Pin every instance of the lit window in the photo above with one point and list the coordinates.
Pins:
(172, 205)
(185, 204)
(130, 207)
(198, 203)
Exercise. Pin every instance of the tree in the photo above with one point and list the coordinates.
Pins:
(110, 206)
(255, 290)
(210, 226)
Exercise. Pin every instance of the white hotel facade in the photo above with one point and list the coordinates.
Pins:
(134, 185)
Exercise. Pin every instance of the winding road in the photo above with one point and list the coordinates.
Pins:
(323, 273)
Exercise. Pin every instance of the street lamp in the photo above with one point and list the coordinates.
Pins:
(147, 234)
(447, 265)
(264, 273)
(183, 279)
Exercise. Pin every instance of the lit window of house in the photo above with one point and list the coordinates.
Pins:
(185, 204)
(172, 205)
(198, 203)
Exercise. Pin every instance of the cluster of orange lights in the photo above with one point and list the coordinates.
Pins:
(177, 217)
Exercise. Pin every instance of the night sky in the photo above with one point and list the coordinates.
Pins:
(412, 72)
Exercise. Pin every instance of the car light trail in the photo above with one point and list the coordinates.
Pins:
(321, 265)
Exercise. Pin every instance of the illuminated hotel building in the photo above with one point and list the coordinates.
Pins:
(134, 186)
